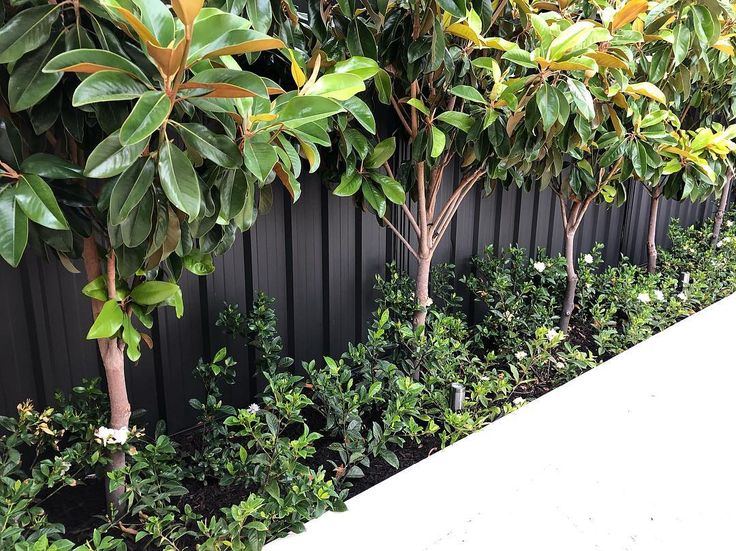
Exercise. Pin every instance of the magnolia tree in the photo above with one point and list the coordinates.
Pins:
(688, 54)
(131, 137)
(448, 99)
(582, 108)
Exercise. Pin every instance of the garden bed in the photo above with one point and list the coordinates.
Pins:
(328, 430)
(608, 461)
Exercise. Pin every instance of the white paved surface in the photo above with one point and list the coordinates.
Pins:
(638, 454)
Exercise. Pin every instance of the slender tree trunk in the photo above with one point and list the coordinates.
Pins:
(422, 290)
(652, 231)
(572, 279)
(113, 360)
(722, 204)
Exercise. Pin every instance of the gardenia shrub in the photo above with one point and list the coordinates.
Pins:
(313, 434)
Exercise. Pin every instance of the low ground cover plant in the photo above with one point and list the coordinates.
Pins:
(318, 433)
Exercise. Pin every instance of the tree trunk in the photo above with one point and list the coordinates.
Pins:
(422, 290)
(113, 360)
(723, 203)
(572, 280)
(652, 231)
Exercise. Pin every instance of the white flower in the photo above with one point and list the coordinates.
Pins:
(552, 334)
(588, 259)
(518, 401)
(254, 408)
(560, 365)
(104, 434)
(729, 223)
(112, 436)
(644, 297)
(485, 378)
(539, 266)
(682, 296)
(508, 315)
(719, 244)
(520, 355)
(430, 302)
(659, 295)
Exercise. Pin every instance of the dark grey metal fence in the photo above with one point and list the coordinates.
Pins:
(318, 259)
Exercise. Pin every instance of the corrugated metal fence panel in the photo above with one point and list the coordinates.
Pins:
(317, 258)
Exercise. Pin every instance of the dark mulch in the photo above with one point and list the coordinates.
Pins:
(408, 455)
(81, 508)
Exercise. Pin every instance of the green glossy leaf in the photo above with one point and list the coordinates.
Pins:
(155, 15)
(37, 200)
(111, 158)
(107, 86)
(374, 197)
(582, 98)
(86, 60)
(391, 188)
(199, 263)
(469, 93)
(129, 189)
(461, 121)
(132, 339)
(25, 32)
(233, 193)
(362, 113)
(548, 104)
(259, 158)
(350, 183)
(339, 86)
(680, 43)
(301, 110)
(136, 228)
(218, 148)
(96, 289)
(384, 86)
(148, 114)
(10, 144)
(50, 166)
(178, 179)
(419, 105)
(363, 67)
(438, 142)
(454, 7)
(229, 83)
(360, 40)
(28, 85)
(13, 227)
(383, 151)
(151, 293)
(108, 322)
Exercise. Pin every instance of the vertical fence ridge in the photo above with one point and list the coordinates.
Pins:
(322, 241)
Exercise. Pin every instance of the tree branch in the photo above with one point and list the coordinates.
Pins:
(401, 237)
(402, 118)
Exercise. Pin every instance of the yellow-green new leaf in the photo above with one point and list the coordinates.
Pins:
(151, 293)
(646, 89)
(339, 86)
(108, 322)
(438, 143)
